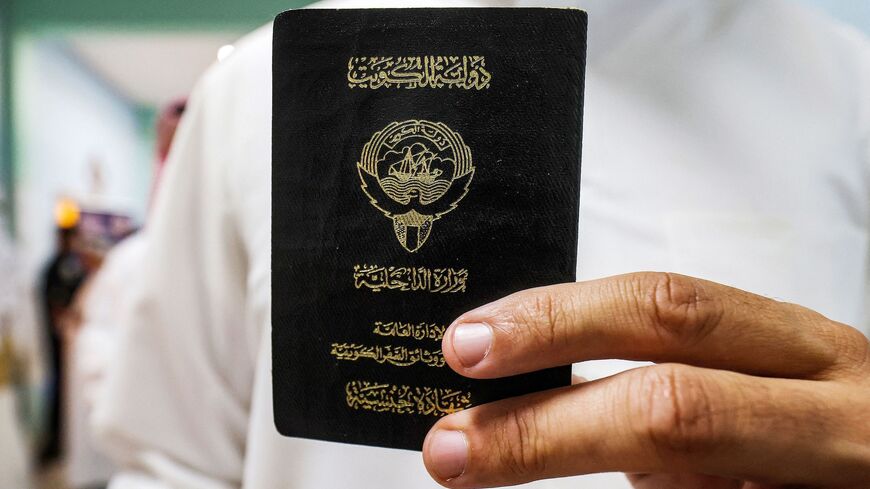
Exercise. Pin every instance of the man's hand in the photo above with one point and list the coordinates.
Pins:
(746, 389)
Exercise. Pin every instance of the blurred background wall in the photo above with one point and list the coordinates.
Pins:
(5, 88)
(80, 84)
(75, 135)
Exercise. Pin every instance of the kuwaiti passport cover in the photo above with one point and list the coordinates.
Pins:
(425, 162)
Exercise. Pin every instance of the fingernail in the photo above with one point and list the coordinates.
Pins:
(448, 453)
(578, 379)
(471, 342)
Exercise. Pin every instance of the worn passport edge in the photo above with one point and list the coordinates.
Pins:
(583, 14)
(333, 9)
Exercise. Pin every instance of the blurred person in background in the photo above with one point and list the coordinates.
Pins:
(167, 124)
(725, 139)
(97, 323)
(61, 278)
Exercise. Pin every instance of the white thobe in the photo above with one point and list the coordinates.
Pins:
(726, 140)
(93, 353)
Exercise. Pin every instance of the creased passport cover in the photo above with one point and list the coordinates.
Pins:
(425, 162)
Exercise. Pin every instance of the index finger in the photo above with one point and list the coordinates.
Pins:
(659, 317)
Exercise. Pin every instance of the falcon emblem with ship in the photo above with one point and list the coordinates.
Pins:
(415, 172)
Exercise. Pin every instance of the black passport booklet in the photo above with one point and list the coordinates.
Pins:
(425, 162)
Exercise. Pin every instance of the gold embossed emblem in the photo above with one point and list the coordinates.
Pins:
(415, 172)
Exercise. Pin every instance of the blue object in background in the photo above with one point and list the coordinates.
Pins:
(854, 12)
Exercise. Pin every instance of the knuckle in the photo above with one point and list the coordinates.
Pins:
(678, 308)
(675, 410)
(520, 443)
(837, 346)
(545, 317)
(864, 352)
(854, 346)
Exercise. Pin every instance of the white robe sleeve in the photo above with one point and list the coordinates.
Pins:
(175, 405)
(864, 99)
(93, 352)
(857, 48)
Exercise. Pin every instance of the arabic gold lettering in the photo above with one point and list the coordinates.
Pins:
(412, 72)
(403, 399)
(437, 280)
(417, 331)
(400, 356)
